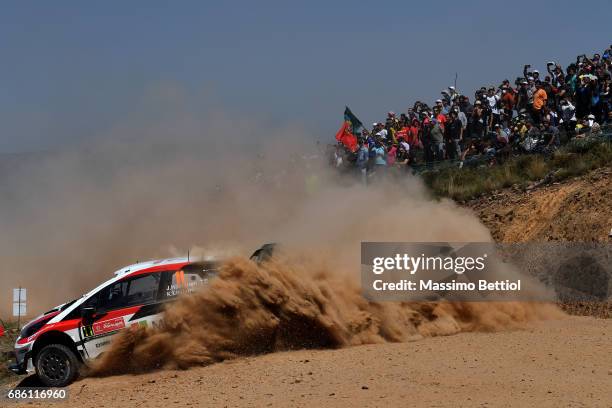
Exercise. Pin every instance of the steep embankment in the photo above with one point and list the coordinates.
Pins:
(578, 209)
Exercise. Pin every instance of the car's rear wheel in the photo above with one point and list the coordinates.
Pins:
(57, 365)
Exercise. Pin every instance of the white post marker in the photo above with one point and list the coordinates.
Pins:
(19, 304)
(19, 295)
(19, 309)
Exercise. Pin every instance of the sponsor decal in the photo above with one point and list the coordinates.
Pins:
(136, 325)
(182, 285)
(108, 326)
(102, 344)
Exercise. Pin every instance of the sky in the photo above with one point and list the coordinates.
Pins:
(72, 70)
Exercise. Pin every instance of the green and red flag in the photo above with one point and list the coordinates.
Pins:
(355, 123)
(349, 129)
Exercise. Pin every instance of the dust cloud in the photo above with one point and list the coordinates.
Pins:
(292, 303)
(161, 184)
(144, 189)
(223, 186)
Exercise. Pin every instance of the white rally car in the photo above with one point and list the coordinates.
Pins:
(55, 344)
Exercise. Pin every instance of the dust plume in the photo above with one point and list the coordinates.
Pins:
(156, 187)
(292, 303)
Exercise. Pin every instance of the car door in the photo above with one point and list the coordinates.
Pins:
(125, 303)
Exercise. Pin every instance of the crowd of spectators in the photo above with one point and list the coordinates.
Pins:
(535, 113)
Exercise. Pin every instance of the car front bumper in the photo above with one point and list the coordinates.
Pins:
(18, 368)
(23, 361)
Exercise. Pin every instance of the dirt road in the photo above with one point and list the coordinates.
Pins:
(548, 364)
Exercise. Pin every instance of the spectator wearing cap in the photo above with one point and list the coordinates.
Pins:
(380, 131)
(492, 99)
(522, 95)
(440, 116)
(501, 136)
(462, 117)
(501, 143)
(595, 127)
(380, 160)
(454, 95)
(441, 107)
(478, 118)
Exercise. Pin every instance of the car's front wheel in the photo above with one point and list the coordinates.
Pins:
(57, 365)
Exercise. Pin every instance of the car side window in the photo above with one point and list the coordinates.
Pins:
(130, 292)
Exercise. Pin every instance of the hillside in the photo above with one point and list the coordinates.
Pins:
(577, 209)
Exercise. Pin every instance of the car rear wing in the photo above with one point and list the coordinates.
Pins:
(264, 253)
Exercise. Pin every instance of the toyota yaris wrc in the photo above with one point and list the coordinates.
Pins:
(55, 344)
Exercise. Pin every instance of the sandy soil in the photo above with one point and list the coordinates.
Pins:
(548, 364)
(575, 210)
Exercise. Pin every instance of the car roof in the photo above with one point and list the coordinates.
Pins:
(159, 264)
(136, 269)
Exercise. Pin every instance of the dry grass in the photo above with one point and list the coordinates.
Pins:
(6, 351)
(571, 160)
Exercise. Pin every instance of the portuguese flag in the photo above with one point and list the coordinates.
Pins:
(355, 123)
(349, 129)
